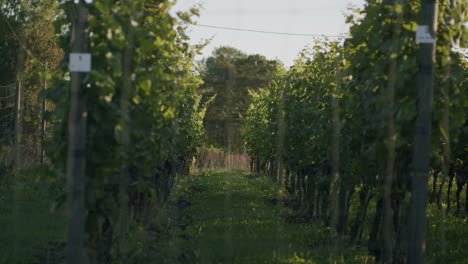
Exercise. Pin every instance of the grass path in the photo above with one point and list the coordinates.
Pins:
(235, 222)
(232, 219)
(222, 217)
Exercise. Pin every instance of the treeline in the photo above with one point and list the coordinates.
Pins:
(337, 130)
(229, 76)
(144, 118)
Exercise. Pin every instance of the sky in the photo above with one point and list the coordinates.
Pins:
(325, 17)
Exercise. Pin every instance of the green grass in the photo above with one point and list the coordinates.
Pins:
(447, 238)
(231, 220)
(218, 217)
(30, 232)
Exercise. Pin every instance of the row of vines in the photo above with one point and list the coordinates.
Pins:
(340, 123)
(144, 118)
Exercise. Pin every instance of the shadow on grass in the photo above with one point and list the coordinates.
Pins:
(31, 231)
(233, 220)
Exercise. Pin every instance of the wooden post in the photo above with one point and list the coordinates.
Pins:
(281, 137)
(76, 158)
(422, 136)
(390, 139)
(19, 94)
(335, 158)
(127, 67)
(17, 146)
(43, 122)
(336, 180)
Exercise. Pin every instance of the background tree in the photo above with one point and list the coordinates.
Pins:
(230, 75)
(28, 46)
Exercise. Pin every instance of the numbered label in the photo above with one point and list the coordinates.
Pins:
(423, 35)
(80, 62)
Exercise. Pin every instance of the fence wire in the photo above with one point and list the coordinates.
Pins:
(7, 127)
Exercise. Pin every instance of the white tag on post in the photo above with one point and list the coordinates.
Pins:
(423, 35)
(80, 62)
